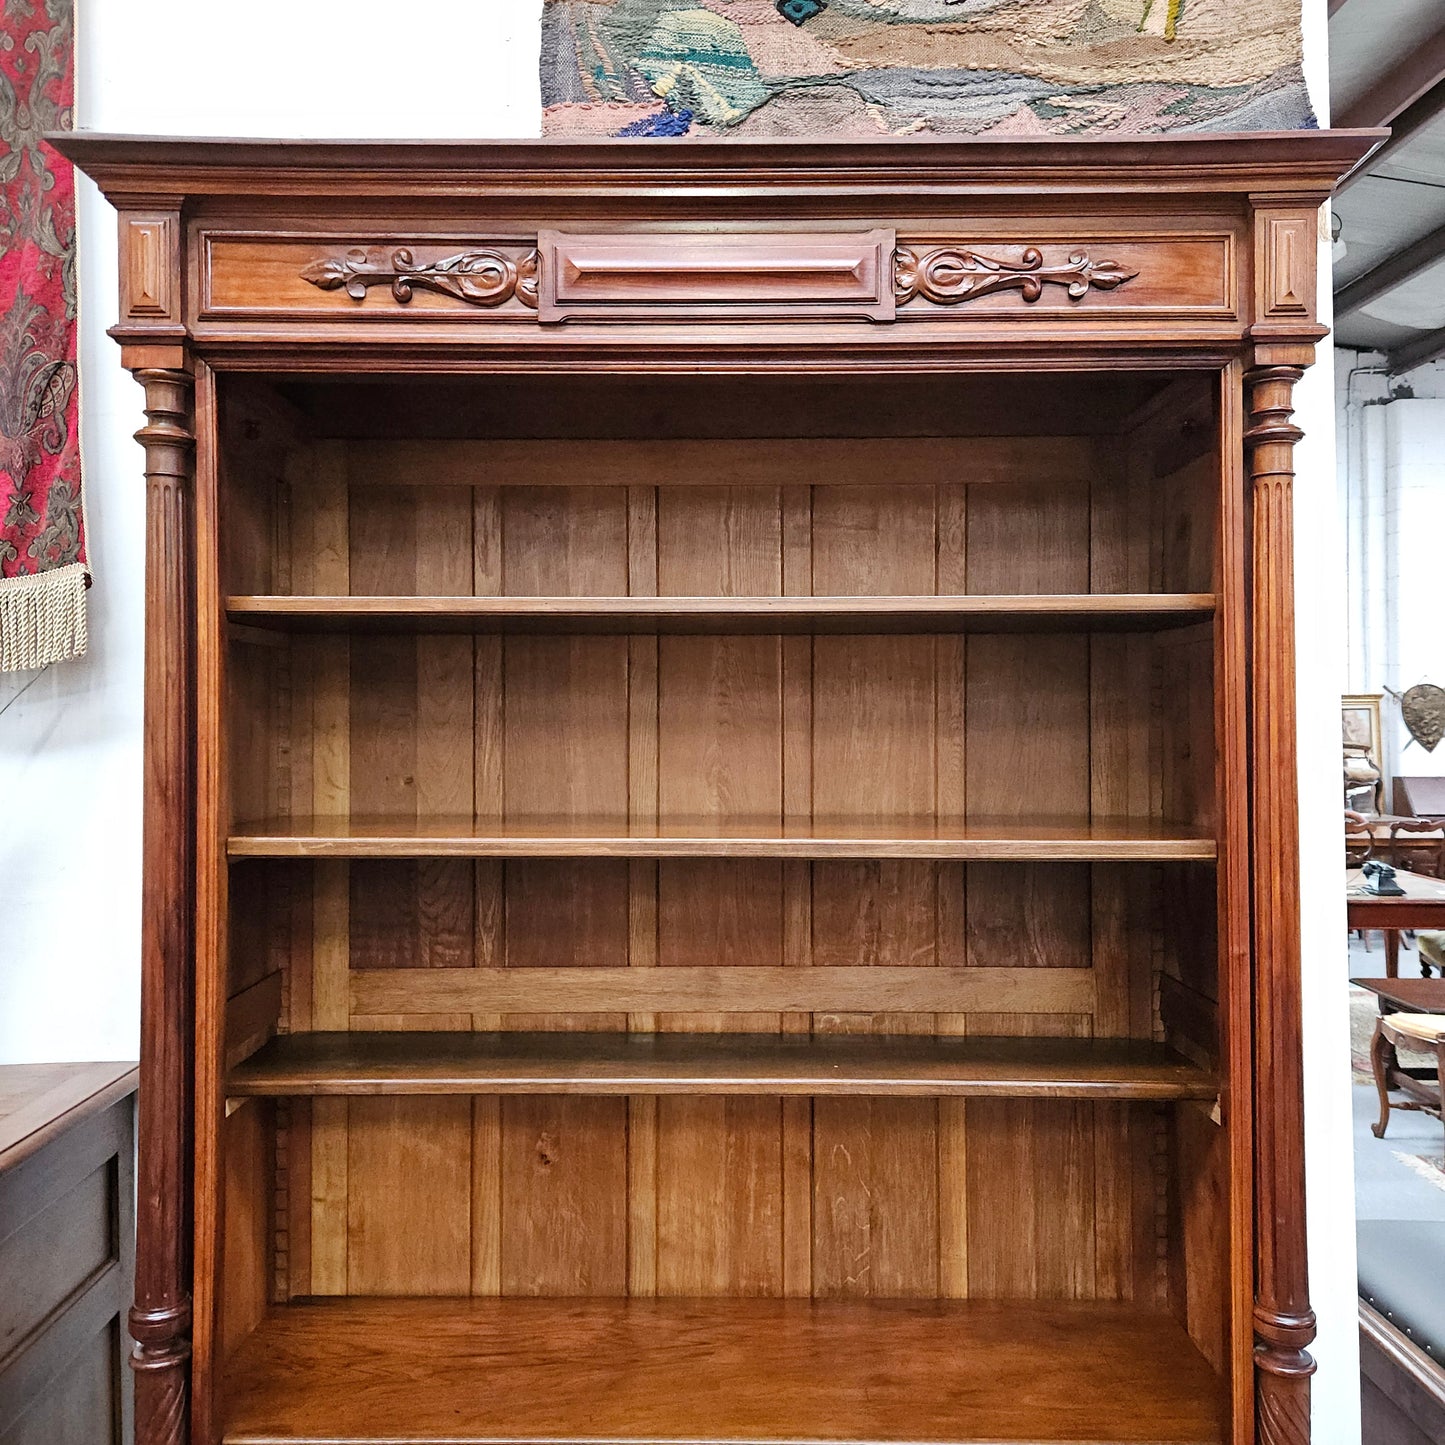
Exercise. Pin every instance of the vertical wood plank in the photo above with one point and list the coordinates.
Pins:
(1029, 1167)
(489, 945)
(719, 724)
(797, 880)
(876, 1204)
(327, 665)
(875, 720)
(1030, 1184)
(409, 1197)
(642, 764)
(719, 1203)
(412, 719)
(564, 541)
(1028, 537)
(486, 1196)
(246, 1211)
(566, 755)
(564, 1196)
(951, 801)
(566, 750)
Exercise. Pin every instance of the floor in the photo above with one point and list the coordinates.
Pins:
(1391, 1180)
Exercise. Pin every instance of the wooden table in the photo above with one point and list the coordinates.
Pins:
(1423, 1085)
(1422, 906)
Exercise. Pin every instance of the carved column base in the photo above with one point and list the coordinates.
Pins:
(1282, 1370)
(161, 1361)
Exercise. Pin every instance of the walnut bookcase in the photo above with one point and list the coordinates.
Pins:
(720, 816)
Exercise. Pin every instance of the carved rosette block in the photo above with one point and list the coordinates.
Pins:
(480, 278)
(160, 1322)
(947, 275)
(1284, 1325)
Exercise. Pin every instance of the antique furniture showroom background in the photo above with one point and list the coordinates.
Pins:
(587, 530)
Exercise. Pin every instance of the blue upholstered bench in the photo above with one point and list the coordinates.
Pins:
(1402, 1330)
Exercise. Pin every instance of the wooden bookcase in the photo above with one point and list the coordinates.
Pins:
(720, 818)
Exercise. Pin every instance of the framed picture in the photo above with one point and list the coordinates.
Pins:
(1360, 735)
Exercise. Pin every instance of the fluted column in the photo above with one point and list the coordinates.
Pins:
(160, 1322)
(1284, 1324)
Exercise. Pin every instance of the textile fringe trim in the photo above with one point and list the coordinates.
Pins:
(42, 618)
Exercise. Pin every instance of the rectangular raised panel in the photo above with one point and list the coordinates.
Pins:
(1286, 262)
(50, 1255)
(774, 276)
(148, 268)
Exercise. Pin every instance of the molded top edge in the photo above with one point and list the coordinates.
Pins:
(1288, 160)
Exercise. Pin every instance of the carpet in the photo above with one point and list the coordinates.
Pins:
(868, 68)
(1429, 1167)
(1364, 1009)
(43, 569)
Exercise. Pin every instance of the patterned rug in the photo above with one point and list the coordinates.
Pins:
(865, 68)
(43, 573)
(1364, 1009)
(1430, 1167)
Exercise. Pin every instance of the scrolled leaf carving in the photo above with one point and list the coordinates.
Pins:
(328, 273)
(480, 278)
(947, 275)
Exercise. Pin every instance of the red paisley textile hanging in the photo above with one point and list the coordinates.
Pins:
(43, 572)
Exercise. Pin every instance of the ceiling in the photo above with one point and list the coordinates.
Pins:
(1387, 68)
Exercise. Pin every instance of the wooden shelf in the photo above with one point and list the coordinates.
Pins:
(406, 1372)
(973, 839)
(611, 1063)
(1104, 612)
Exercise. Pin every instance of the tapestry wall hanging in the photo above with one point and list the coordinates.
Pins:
(43, 572)
(864, 68)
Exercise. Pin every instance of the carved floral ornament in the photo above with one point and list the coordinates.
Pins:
(944, 275)
(483, 278)
(947, 275)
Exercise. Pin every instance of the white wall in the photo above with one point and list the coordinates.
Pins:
(70, 745)
(1320, 641)
(70, 739)
(1392, 498)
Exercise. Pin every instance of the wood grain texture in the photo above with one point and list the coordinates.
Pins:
(160, 1321)
(1283, 1321)
(1059, 839)
(726, 988)
(583, 642)
(595, 1063)
(40, 1101)
(741, 1370)
(1131, 612)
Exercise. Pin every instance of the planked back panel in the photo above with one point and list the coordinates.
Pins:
(699, 1196)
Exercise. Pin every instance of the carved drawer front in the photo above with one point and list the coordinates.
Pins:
(275, 277)
(556, 276)
(658, 276)
(1121, 274)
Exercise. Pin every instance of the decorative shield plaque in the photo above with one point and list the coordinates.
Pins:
(1423, 708)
